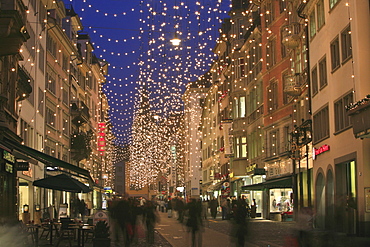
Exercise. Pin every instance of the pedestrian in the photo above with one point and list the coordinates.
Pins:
(169, 207)
(253, 209)
(150, 218)
(82, 209)
(240, 226)
(194, 222)
(213, 205)
(224, 208)
(180, 206)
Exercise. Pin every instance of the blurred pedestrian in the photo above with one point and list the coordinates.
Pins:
(240, 226)
(213, 205)
(180, 206)
(253, 209)
(82, 209)
(150, 218)
(194, 222)
(169, 207)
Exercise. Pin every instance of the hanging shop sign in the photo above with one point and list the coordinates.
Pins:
(101, 138)
(320, 150)
(10, 161)
(23, 166)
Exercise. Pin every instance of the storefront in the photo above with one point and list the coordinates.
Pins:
(43, 165)
(7, 184)
(273, 197)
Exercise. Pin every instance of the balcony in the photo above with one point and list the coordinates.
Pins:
(24, 88)
(360, 117)
(290, 35)
(13, 32)
(79, 112)
(293, 83)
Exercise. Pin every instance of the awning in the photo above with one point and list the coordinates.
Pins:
(62, 182)
(47, 159)
(259, 186)
(284, 182)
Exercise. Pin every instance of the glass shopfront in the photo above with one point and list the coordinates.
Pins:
(281, 200)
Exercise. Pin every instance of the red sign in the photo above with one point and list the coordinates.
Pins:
(101, 138)
(320, 150)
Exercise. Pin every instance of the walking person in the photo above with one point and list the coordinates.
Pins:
(194, 222)
(150, 218)
(169, 207)
(240, 226)
(213, 205)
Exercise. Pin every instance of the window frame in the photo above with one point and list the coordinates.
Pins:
(346, 44)
(335, 54)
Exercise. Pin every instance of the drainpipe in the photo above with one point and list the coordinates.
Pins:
(304, 17)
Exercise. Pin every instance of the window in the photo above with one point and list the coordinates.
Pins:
(332, 3)
(241, 147)
(242, 106)
(282, 5)
(51, 81)
(65, 63)
(40, 107)
(30, 43)
(320, 14)
(323, 76)
(241, 68)
(51, 46)
(236, 108)
(314, 81)
(269, 16)
(321, 124)
(342, 121)
(346, 43)
(41, 59)
(50, 116)
(312, 24)
(334, 49)
(283, 47)
(240, 29)
(270, 54)
(65, 125)
(274, 142)
(272, 94)
(65, 94)
(255, 144)
(287, 98)
(26, 133)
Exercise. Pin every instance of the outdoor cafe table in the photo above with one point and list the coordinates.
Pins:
(80, 228)
(53, 226)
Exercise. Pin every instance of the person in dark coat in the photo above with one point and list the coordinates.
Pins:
(180, 207)
(213, 204)
(194, 222)
(240, 227)
(82, 209)
(151, 217)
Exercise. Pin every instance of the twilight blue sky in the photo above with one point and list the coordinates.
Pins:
(134, 37)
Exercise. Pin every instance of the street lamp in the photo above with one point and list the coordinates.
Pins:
(176, 40)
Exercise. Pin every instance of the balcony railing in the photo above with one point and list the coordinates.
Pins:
(360, 117)
(291, 35)
(79, 112)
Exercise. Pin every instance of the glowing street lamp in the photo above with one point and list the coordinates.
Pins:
(175, 41)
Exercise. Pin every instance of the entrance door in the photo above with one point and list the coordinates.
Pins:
(346, 202)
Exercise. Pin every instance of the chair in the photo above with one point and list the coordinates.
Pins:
(89, 234)
(65, 231)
